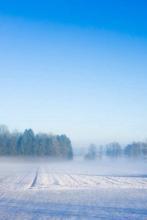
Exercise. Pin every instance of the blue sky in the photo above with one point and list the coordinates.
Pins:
(75, 67)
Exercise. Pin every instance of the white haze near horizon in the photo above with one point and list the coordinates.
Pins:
(101, 167)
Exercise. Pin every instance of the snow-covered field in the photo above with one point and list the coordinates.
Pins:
(72, 190)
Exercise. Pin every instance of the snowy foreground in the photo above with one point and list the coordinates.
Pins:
(72, 190)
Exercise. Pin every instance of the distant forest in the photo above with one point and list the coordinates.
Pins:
(134, 150)
(30, 144)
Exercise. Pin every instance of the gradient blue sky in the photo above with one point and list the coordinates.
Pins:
(76, 67)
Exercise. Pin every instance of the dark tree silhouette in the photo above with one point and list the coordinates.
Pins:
(28, 143)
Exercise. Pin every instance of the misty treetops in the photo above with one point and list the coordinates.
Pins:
(28, 143)
(114, 150)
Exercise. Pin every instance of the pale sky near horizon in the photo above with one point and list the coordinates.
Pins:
(75, 67)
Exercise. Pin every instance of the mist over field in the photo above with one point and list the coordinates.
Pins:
(73, 110)
(104, 167)
(45, 188)
(43, 176)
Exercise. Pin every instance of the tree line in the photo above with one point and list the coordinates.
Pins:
(115, 150)
(30, 144)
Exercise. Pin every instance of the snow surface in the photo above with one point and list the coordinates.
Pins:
(72, 190)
